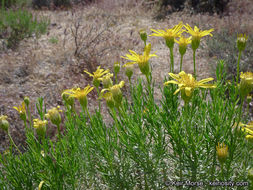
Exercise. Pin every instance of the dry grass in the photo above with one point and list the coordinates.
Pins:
(40, 68)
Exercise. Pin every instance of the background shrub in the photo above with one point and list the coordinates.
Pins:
(58, 3)
(16, 25)
(197, 6)
(223, 46)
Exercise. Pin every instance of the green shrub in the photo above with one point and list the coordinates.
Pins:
(223, 46)
(18, 25)
(16, 3)
(197, 6)
(58, 3)
(7, 3)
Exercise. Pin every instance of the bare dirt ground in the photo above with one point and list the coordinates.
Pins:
(47, 66)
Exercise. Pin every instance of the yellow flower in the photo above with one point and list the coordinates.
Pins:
(246, 83)
(248, 129)
(197, 34)
(183, 42)
(21, 110)
(96, 75)
(116, 92)
(79, 94)
(106, 80)
(40, 126)
(141, 60)
(169, 34)
(4, 124)
(54, 115)
(222, 152)
(187, 84)
(241, 41)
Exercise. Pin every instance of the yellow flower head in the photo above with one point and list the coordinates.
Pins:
(96, 75)
(79, 94)
(246, 83)
(141, 60)
(21, 110)
(187, 84)
(241, 41)
(106, 80)
(4, 124)
(40, 126)
(169, 34)
(248, 129)
(183, 42)
(116, 92)
(222, 152)
(54, 115)
(197, 34)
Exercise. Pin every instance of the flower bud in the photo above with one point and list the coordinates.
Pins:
(106, 80)
(116, 92)
(116, 67)
(4, 124)
(249, 98)
(40, 127)
(129, 71)
(246, 83)
(143, 35)
(27, 101)
(54, 115)
(250, 174)
(109, 100)
(241, 41)
(222, 152)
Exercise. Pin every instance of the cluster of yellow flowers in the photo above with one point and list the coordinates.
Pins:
(112, 93)
(248, 129)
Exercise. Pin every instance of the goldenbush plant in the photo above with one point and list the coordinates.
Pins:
(16, 25)
(203, 142)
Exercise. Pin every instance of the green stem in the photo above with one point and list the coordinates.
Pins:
(99, 104)
(58, 129)
(194, 64)
(238, 68)
(171, 60)
(234, 140)
(116, 78)
(222, 171)
(181, 62)
(12, 142)
(88, 114)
